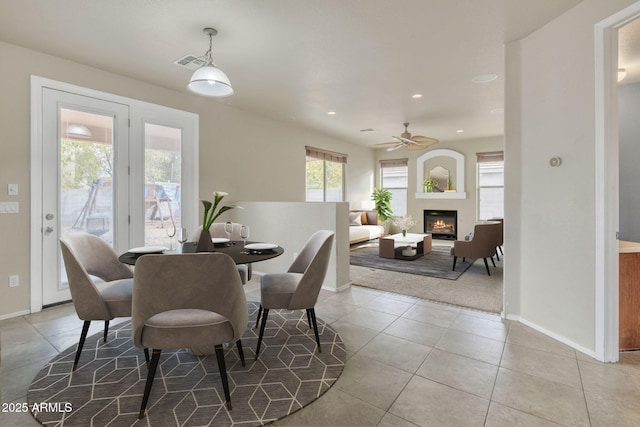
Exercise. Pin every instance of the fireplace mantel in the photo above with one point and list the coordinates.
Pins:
(445, 195)
(459, 193)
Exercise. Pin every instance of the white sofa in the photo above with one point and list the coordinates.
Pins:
(363, 226)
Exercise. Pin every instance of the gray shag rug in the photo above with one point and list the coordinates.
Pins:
(474, 289)
(107, 387)
(437, 263)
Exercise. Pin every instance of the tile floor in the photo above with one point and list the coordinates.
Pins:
(411, 362)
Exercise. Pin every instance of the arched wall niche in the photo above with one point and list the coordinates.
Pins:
(459, 192)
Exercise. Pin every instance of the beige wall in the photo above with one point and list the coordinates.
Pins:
(466, 207)
(251, 157)
(550, 228)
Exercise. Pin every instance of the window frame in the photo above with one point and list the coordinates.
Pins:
(493, 157)
(396, 163)
(326, 156)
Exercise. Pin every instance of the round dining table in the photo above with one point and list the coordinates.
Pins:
(235, 249)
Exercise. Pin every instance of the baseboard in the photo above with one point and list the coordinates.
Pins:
(339, 288)
(16, 314)
(553, 335)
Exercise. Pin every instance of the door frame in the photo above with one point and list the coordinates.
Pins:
(137, 109)
(606, 183)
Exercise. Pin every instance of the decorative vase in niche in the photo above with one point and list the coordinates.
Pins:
(428, 188)
(205, 244)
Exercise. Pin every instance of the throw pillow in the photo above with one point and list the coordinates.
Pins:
(354, 218)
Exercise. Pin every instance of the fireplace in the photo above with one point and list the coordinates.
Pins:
(441, 224)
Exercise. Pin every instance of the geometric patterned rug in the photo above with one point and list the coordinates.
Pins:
(107, 387)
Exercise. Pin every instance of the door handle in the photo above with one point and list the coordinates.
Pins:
(48, 231)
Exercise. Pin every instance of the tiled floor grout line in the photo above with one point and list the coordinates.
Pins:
(584, 394)
(495, 380)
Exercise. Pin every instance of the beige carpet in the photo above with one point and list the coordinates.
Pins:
(474, 289)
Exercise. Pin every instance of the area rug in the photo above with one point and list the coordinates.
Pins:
(107, 387)
(437, 263)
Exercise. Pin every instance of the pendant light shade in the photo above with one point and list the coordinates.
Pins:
(77, 131)
(622, 73)
(209, 80)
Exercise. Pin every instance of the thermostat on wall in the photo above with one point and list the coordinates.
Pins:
(555, 161)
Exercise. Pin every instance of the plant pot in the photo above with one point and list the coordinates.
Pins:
(428, 188)
(205, 244)
(404, 233)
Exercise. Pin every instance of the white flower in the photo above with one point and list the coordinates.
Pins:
(404, 222)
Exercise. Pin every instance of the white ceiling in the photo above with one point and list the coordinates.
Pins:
(295, 60)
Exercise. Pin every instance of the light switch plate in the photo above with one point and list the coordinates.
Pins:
(9, 207)
(12, 189)
(14, 280)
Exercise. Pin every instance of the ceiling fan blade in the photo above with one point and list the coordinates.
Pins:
(395, 147)
(387, 143)
(407, 140)
(425, 139)
(421, 145)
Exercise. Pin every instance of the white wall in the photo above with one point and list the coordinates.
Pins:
(550, 103)
(251, 157)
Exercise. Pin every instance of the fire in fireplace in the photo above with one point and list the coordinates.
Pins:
(441, 224)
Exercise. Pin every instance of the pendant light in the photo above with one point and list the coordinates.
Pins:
(209, 80)
(622, 73)
(77, 131)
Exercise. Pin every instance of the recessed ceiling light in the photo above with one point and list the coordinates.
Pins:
(484, 78)
(331, 113)
(497, 111)
(416, 96)
(460, 130)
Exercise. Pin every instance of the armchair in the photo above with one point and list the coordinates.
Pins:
(482, 245)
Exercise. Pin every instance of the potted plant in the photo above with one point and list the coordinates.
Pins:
(429, 183)
(382, 201)
(211, 213)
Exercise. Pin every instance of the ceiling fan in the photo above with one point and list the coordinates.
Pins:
(416, 142)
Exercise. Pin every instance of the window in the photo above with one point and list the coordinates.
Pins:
(490, 185)
(394, 176)
(324, 175)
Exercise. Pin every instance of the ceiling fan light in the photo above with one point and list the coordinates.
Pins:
(209, 80)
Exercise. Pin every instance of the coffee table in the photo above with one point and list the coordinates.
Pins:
(393, 245)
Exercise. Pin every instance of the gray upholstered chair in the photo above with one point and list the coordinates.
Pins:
(217, 230)
(501, 237)
(85, 255)
(298, 288)
(482, 245)
(187, 300)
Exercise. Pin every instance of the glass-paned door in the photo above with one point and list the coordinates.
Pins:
(82, 138)
(96, 161)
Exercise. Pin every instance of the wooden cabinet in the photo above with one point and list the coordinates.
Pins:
(629, 287)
